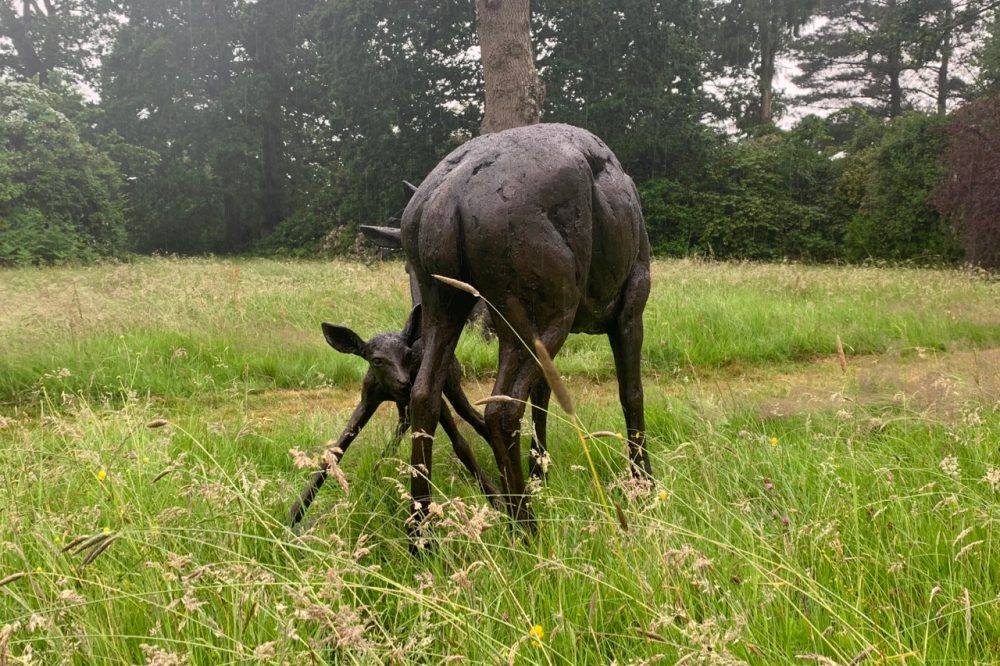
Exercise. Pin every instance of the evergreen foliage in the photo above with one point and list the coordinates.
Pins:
(60, 197)
(279, 126)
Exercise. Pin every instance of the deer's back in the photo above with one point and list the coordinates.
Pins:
(527, 206)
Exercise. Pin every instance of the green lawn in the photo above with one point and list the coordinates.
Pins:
(802, 512)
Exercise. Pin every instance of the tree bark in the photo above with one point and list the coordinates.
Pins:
(514, 92)
(12, 27)
(769, 48)
(944, 74)
(275, 31)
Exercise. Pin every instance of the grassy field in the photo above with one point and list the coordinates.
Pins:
(804, 511)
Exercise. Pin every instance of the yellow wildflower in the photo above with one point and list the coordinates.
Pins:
(102, 475)
(107, 530)
(537, 633)
(663, 495)
(774, 441)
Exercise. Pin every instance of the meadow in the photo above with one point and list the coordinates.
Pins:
(813, 502)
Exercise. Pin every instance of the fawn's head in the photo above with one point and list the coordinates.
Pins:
(392, 358)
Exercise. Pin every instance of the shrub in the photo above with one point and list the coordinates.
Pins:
(59, 196)
(765, 197)
(892, 183)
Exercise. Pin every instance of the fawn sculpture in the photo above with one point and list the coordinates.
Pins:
(393, 363)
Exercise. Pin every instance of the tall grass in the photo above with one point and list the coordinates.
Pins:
(177, 328)
(781, 527)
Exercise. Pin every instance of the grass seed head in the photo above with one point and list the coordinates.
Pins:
(553, 379)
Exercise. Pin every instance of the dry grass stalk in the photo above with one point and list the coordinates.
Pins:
(651, 635)
(494, 398)
(81, 544)
(966, 549)
(841, 356)
(96, 552)
(457, 284)
(5, 633)
(555, 382)
(12, 578)
(967, 605)
(818, 658)
(162, 474)
(622, 520)
(862, 656)
(158, 423)
(961, 535)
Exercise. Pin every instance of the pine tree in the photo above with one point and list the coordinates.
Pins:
(753, 35)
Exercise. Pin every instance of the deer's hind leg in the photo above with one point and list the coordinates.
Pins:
(626, 344)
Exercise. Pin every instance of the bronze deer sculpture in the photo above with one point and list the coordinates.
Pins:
(544, 224)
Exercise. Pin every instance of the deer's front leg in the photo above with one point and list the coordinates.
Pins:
(359, 418)
(402, 425)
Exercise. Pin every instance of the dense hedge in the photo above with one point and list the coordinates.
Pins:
(848, 187)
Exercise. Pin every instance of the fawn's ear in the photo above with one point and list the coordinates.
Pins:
(343, 339)
(411, 331)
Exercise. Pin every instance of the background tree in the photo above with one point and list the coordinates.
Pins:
(172, 84)
(949, 31)
(67, 36)
(890, 55)
(398, 89)
(752, 35)
(987, 57)
(514, 92)
(631, 72)
(772, 196)
(891, 185)
(208, 87)
(863, 52)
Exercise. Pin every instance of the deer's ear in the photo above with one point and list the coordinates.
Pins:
(411, 331)
(389, 238)
(343, 339)
(409, 189)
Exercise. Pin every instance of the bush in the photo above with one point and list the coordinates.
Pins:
(892, 183)
(59, 196)
(766, 197)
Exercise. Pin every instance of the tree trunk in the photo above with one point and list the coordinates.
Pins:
(11, 26)
(235, 234)
(272, 192)
(769, 48)
(275, 30)
(514, 92)
(895, 62)
(943, 72)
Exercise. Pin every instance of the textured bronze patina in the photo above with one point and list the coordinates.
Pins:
(545, 225)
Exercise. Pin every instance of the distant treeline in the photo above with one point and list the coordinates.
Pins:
(280, 126)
